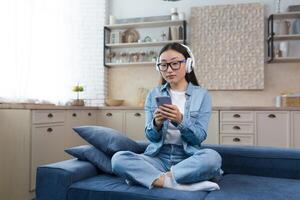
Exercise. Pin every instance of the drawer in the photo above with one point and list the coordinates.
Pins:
(240, 128)
(82, 116)
(236, 139)
(236, 116)
(47, 116)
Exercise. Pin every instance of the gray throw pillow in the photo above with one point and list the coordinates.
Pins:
(107, 140)
(93, 155)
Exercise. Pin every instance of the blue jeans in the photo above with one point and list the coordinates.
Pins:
(203, 165)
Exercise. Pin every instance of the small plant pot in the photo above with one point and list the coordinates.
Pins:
(78, 102)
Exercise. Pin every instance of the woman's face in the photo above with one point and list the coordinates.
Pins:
(173, 75)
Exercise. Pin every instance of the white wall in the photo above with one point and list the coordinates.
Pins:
(278, 77)
(143, 8)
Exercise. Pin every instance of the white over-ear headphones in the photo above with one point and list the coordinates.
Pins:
(189, 64)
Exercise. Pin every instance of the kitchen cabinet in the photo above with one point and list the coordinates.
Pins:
(213, 129)
(75, 118)
(295, 129)
(135, 124)
(273, 128)
(33, 137)
(47, 139)
(15, 154)
(47, 146)
(237, 127)
(111, 118)
(30, 138)
(131, 123)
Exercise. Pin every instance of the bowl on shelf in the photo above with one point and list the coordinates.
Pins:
(114, 102)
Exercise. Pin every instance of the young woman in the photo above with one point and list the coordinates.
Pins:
(174, 159)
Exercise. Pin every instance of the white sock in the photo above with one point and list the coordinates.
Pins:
(170, 182)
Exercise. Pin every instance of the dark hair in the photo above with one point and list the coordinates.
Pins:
(189, 77)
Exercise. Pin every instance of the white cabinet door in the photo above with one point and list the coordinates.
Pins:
(15, 141)
(295, 139)
(213, 129)
(273, 128)
(76, 118)
(111, 118)
(47, 146)
(135, 124)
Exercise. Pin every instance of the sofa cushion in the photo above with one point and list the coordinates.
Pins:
(93, 155)
(107, 140)
(259, 161)
(106, 187)
(247, 187)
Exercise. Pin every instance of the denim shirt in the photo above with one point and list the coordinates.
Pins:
(193, 127)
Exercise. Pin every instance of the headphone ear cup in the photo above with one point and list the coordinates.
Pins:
(188, 65)
(156, 64)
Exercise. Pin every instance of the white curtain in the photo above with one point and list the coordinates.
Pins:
(40, 48)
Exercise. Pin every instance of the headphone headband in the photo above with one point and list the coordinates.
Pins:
(190, 62)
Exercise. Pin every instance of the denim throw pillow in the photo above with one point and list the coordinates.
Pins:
(93, 155)
(107, 140)
(78, 151)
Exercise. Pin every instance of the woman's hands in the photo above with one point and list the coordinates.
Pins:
(158, 119)
(167, 111)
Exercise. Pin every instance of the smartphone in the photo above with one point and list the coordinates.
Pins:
(163, 100)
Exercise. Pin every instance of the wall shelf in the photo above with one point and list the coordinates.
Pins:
(286, 60)
(272, 37)
(130, 64)
(145, 55)
(286, 15)
(145, 24)
(286, 37)
(144, 44)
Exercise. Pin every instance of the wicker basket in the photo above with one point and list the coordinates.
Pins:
(291, 101)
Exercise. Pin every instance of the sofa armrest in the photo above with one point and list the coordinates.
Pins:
(53, 180)
(259, 161)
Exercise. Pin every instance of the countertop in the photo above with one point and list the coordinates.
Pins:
(55, 107)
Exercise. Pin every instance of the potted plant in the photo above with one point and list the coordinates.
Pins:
(78, 102)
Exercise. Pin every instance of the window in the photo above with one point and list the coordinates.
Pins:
(48, 46)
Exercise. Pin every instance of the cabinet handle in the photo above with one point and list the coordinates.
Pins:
(108, 114)
(49, 130)
(236, 139)
(74, 114)
(137, 114)
(236, 116)
(236, 128)
(272, 116)
(50, 115)
(89, 114)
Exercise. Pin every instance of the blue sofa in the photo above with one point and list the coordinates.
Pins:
(259, 173)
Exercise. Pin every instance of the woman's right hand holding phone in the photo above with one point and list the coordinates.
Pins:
(158, 119)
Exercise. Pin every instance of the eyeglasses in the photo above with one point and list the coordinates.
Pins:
(175, 65)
